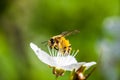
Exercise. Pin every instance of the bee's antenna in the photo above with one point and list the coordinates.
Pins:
(44, 42)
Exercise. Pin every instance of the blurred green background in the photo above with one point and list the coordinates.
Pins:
(25, 21)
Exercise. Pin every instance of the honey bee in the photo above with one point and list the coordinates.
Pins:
(60, 43)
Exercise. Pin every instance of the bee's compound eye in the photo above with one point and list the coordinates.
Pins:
(52, 41)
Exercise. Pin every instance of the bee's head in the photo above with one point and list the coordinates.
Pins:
(52, 41)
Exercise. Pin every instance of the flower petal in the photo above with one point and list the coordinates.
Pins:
(88, 65)
(43, 56)
(73, 66)
(64, 60)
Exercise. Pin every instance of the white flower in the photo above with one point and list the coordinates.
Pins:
(58, 60)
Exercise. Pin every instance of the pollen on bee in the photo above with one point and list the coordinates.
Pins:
(60, 43)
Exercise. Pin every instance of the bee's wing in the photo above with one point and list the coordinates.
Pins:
(64, 33)
(67, 33)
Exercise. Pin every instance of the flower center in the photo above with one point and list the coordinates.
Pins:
(56, 53)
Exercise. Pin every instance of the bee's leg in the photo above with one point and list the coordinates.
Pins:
(56, 48)
(51, 47)
(69, 49)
